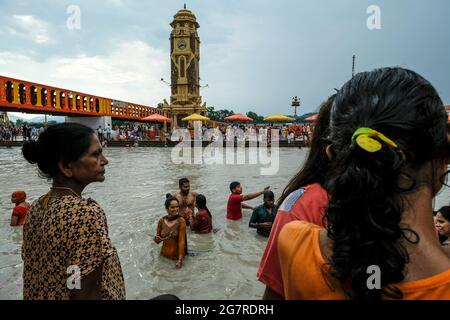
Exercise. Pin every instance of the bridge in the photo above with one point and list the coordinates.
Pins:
(30, 97)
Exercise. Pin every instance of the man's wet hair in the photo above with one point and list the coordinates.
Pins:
(183, 181)
(268, 195)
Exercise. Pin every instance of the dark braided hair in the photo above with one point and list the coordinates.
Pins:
(200, 201)
(366, 198)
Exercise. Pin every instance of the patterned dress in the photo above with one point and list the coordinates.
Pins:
(62, 232)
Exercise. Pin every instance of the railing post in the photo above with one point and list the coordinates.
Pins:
(38, 97)
(49, 98)
(66, 101)
(74, 102)
(27, 89)
(88, 104)
(15, 92)
(2, 90)
(58, 99)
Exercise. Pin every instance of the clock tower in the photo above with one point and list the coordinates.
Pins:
(185, 97)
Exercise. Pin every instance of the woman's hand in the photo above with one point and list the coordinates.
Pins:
(157, 239)
(179, 263)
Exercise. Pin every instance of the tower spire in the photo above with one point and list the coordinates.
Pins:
(353, 66)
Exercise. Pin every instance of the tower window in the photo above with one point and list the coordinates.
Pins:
(182, 67)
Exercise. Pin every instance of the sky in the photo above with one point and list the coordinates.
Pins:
(255, 54)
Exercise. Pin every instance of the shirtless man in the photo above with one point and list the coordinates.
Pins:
(186, 199)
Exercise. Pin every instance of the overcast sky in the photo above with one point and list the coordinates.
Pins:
(255, 54)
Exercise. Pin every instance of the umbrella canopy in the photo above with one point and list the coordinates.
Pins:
(312, 118)
(195, 117)
(238, 117)
(157, 118)
(278, 117)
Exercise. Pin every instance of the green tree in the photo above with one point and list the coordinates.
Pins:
(254, 116)
(222, 114)
(210, 113)
(218, 115)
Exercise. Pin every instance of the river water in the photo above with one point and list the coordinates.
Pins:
(225, 263)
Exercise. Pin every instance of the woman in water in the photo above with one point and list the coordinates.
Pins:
(202, 221)
(171, 230)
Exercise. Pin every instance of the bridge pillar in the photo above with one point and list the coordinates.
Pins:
(15, 92)
(58, 99)
(2, 90)
(38, 97)
(92, 122)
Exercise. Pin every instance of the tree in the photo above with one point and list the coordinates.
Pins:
(222, 114)
(210, 113)
(254, 116)
(218, 115)
(160, 105)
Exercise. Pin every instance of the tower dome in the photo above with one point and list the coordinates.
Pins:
(184, 15)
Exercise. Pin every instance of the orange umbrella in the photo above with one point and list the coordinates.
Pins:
(238, 117)
(156, 117)
(312, 118)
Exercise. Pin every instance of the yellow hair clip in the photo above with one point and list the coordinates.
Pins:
(365, 139)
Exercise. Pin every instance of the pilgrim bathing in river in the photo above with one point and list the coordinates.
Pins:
(186, 199)
(171, 230)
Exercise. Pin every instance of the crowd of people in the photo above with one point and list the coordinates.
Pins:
(135, 132)
(229, 132)
(11, 132)
(145, 132)
(364, 197)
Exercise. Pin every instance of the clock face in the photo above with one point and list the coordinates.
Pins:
(181, 45)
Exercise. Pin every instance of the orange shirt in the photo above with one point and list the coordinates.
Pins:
(304, 271)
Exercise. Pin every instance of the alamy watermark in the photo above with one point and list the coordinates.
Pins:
(374, 20)
(74, 279)
(374, 280)
(73, 22)
(263, 147)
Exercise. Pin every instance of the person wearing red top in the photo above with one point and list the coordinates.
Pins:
(304, 198)
(21, 209)
(202, 221)
(235, 204)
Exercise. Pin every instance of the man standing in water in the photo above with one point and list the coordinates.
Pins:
(186, 199)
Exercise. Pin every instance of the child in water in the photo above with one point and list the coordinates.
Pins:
(21, 209)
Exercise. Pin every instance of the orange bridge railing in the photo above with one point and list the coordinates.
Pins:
(24, 96)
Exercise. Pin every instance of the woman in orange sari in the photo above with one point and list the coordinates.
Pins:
(171, 231)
